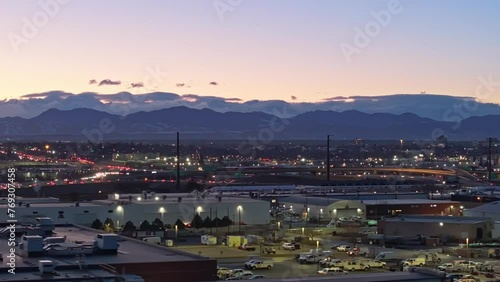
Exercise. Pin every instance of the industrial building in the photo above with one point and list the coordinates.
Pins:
(491, 210)
(140, 207)
(331, 208)
(117, 254)
(447, 228)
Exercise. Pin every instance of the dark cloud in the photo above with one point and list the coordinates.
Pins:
(109, 82)
(137, 85)
(191, 96)
(214, 83)
(93, 81)
(293, 97)
(233, 100)
(180, 84)
(337, 98)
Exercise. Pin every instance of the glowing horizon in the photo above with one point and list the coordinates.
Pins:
(273, 50)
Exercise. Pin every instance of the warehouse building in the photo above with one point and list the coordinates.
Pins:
(443, 227)
(491, 210)
(139, 207)
(329, 208)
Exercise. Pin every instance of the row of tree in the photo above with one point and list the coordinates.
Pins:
(157, 224)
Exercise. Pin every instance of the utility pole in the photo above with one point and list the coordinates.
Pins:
(178, 165)
(489, 158)
(328, 159)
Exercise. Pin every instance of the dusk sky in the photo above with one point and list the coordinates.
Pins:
(272, 49)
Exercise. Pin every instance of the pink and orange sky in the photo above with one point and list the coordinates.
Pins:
(272, 49)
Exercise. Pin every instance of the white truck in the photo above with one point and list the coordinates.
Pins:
(208, 240)
(373, 263)
(414, 262)
(354, 265)
(261, 264)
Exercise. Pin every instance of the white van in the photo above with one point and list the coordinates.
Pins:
(152, 240)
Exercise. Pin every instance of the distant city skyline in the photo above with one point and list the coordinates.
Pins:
(288, 50)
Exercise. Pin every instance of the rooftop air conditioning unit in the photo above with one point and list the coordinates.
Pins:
(46, 267)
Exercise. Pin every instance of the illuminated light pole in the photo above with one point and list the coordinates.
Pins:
(239, 219)
(176, 229)
(401, 141)
(162, 211)
(467, 246)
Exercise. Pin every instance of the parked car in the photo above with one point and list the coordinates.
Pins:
(448, 267)
(453, 277)
(288, 246)
(270, 251)
(332, 271)
(343, 248)
(374, 263)
(247, 264)
(261, 264)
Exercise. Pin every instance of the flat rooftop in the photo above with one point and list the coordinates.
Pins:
(63, 275)
(408, 202)
(173, 199)
(438, 219)
(129, 251)
(493, 207)
(55, 205)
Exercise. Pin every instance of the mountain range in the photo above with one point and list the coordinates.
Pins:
(96, 126)
(436, 107)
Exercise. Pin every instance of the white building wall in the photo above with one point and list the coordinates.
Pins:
(252, 212)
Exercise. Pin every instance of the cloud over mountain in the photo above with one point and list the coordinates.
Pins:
(437, 107)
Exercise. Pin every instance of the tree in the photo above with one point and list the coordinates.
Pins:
(129, 227)
(97, 224)
(157, 225)
(145, 226)
(216, 222)
(207, 222)
(180, 224)
(226, 221)
(109, 225)
(197, 221)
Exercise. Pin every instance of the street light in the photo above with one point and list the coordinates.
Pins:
(176, 229)
(467, 246)
(401, 141)
(239, 219)
(317, 244)
(303, 230)
(162, 210)
(279, 225)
